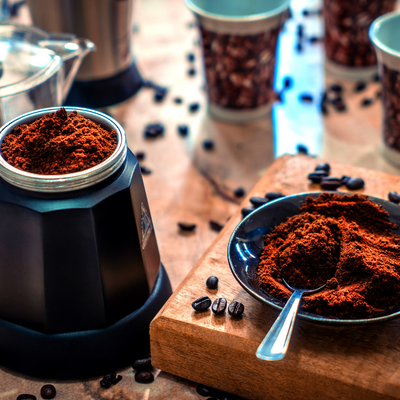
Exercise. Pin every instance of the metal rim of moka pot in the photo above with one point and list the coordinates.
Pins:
(66, 182)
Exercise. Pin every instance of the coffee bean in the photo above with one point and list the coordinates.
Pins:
(144, 377)
(299, 47)
(323, 167)
(204, 390)
(178, 100)
(335, 87)
(159, 95)
(236, 309)
(316, 177)
(314, 39)
(191, 71)
(143, 364)
(194, 107)
(183, 130)
(330, 183)
(191, 57)
(306, 98)
(300, 31)
(355, 184)
(186, 226)
(366, 102)
(212, 282)
(26, 397)
(219, 306)
(140, 155)
(216, 226)
(208, 145)
(288, 82)
(338, 105)
(360, 86)
(48, 392)
(273, 195)
(246, 211)
(118, 379)
(239, 192)
(145, 171)
(258, 201)
(375, 77)
(202, 303)
(108, 380)
(154, 130)
(394, 197)
(345, 179)
(302, 149)
(306, 13)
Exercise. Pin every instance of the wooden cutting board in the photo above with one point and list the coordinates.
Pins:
(323, 362)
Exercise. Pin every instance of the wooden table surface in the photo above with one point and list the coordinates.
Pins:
(190, 184)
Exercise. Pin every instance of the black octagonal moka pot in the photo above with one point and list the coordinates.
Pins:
(80, 271)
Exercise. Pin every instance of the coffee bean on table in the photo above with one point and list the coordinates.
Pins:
(191, 57)
(108, 380)
(246, 211)
(258, 201)
(306, 98)
(394, 197)
(375, 77)
(183, 129)
(300, 31)
(287, 82)
(219, 306)
(143, 364)
(48, 392)
(26, 397)
(330, 183)
(159, 95)
(239, 192)
(202, 303)
(178, 100)
(335, 87)
(145, 171)
(366, 102)
(212, 282)
(144, 377)
(194, 107)
(302, 149)
(154, 130)
(339, 105)
(191, 71)
(186, 226)
(316, 177)
(360, 86)
(140, 155)
(216, 226)
(208, 144)
(273, 195)
(323, 167)
(118, 379)
(204, 390)
(355, 184)
(345, 179)
(236, 309)
(299, 47)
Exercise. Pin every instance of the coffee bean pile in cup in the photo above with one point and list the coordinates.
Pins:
(321, 176)
(203, 303)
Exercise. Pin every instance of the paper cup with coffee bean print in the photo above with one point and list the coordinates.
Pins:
(239, 40)
(385, 34)
(349, 53)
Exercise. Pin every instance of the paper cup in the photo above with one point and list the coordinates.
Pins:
(239, 40)
(384, 34)
(349, 53)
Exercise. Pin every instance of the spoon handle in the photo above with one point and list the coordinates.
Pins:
(275, 344)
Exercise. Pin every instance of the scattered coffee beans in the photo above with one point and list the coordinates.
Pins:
(258, 201)
(338, 104)
(160, 94)
(216, 226)
(330, 183)
(306, 98)
(202, 303)
(299, 47)
(48, 392)
(323, 167)
(219, 306)
(109, 380)
(26, 397)
(236, 309)
(183, 130)
(191, 71)
(273, 195)
(208, 145)
(335, 87)
(144, 377)
(239, 192)
(300, 30)
(355, 184)
(143, 364)
(178, 100)
(212, 282)
(186, 226)
(316, 177)
(145, 171)
(288, 82)
(375, 77)
(194, 107)
(140, 155)
(394, 197)
(367, 102)
(345, 179)
(246, 211)
(360, 86)
(191, 57)
(153, 130)
(302, 149)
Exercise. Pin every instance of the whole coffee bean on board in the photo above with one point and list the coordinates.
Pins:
(48, 392)
(143, 364)
(345, 179)
(186, 226)
(394, 197)
(144, 377)
(145, 171)
(323, 167)
(208, 144)
(367, 102)
(108, 380)
(274, 195)
(202, 303)
(26, 397)
(306, 98)
(335, 87)
(191, 72)
(239, 192)
(153, 131)
(191, 57)
(302, 149)
(194, 107)
(246, 211)
(212, 282)
(258, 201)
(216, 226)
(360, 86)
(219, 306)
(183, 130)
(316, 177)
(355, 184)
(236, 309)
(140, 155)
(330, 183)
(117, 379)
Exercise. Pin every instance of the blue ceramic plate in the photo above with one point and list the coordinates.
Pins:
(247, 242)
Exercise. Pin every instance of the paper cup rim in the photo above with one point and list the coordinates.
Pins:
(248, 18)
(375, 26)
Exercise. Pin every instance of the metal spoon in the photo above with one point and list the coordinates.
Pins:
(275, 344)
